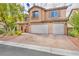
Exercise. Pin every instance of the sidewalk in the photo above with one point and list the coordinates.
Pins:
(61, 42)
(55, 51)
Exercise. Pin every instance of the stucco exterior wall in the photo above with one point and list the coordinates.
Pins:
(61, 13)
(41, 15)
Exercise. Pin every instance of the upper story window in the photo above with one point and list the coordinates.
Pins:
(35, 14)
(54, 13)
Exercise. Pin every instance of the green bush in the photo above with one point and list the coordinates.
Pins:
(73, 33)
(18, 32)
(10, 33)
(2, 31)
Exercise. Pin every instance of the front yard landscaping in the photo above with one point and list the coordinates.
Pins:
(9, 15)
(74, 21)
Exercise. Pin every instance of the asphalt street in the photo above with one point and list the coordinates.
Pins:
(6, 50)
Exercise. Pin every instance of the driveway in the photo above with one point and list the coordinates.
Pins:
(53, 41)
(6, 50)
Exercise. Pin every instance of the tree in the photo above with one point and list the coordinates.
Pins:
(10, 14)
(74, 20)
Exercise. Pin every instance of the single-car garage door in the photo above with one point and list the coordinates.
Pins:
(58, 29)
(39, 28)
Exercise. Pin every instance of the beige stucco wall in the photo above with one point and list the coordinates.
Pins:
(61, 12)
(40, 18)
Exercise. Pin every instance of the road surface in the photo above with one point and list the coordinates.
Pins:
(6, 50)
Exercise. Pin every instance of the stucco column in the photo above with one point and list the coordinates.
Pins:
(50, 28)
(65, 29)
(23, 27)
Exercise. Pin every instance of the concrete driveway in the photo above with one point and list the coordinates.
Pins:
(53, 41)
(6, 50)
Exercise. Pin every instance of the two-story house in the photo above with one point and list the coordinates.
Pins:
(46, 21)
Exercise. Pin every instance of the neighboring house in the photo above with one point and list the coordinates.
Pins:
(75, 10)
(45, 21)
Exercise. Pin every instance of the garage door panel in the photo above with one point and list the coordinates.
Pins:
(58, 29)
(39, 28)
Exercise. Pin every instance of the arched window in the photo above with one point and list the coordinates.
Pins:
(35, 14)
(54, 13)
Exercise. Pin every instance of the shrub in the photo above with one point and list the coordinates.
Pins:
(74, 33)
(18, 32)
(2, 31)
(10, 33)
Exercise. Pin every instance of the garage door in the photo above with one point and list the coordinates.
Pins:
(41, 28)
(58, 29)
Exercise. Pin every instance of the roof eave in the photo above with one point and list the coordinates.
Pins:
(64, 7)
(71, 12)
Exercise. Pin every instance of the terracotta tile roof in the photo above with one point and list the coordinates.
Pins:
(37, 7)
(63, 7)
(21, 22)
(69, 25)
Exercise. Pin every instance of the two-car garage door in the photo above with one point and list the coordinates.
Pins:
(43, 28)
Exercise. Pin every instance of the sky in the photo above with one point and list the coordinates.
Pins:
(45, 5)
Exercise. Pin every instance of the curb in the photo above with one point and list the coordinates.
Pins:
(44, 49)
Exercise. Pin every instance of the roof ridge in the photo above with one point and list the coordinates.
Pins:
(62, 7)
